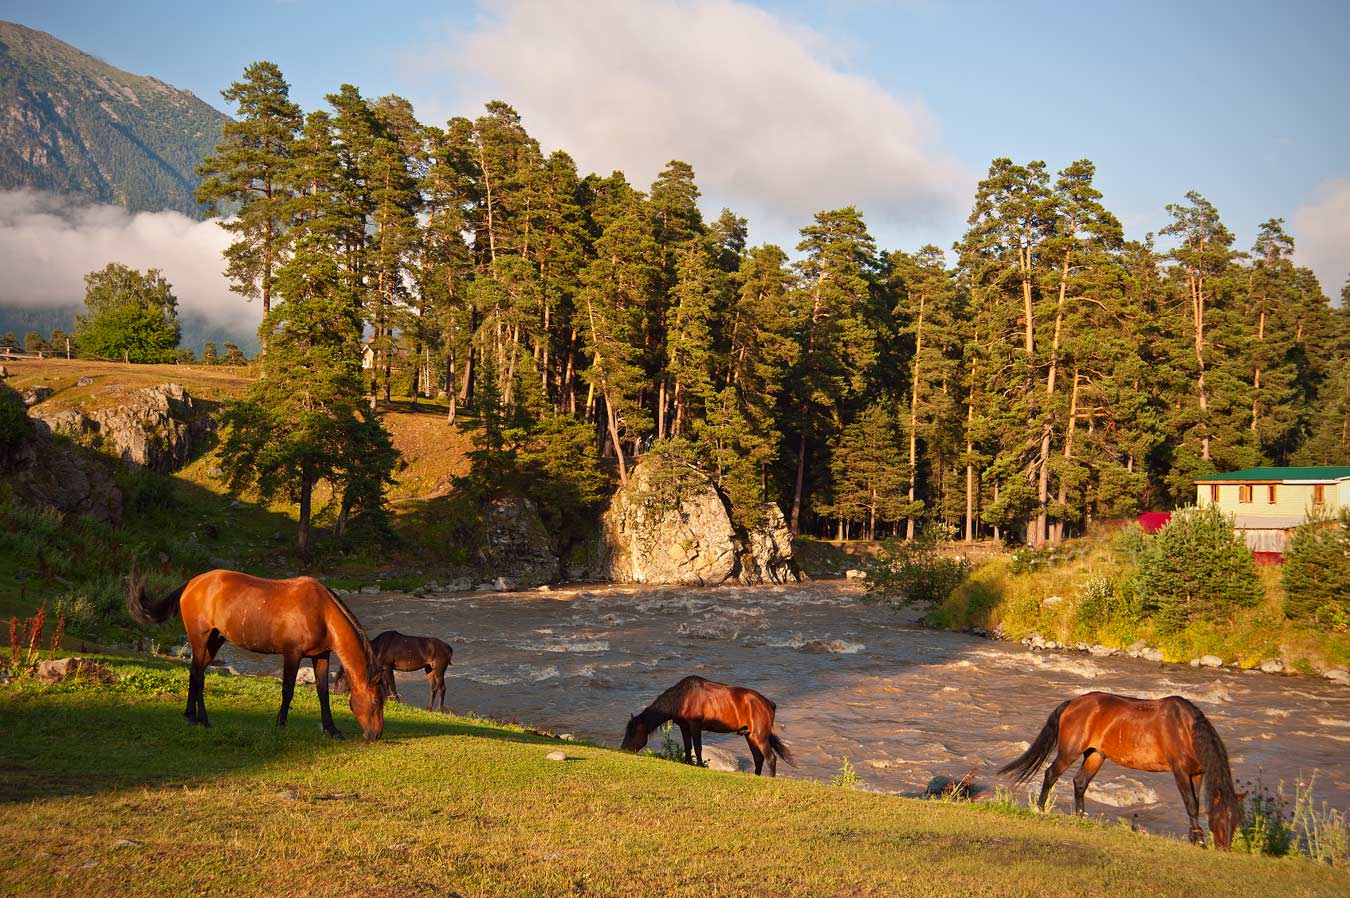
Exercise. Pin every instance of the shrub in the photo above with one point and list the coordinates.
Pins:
(915, 571)
(847, 778)
(1317, 573)
(1196, 567)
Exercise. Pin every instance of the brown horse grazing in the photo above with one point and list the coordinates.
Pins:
(395, 651)
(1143, 734)
(296, 618)
(698, 705)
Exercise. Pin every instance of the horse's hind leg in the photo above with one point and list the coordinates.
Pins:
(203, 653)
(1192, 802)
(288, 672)
(1091, 764)
(698, 746)
(687, 735)
(1061, 763)
(439, 675)
(756, 753)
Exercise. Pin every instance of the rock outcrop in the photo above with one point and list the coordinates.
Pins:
(768, 549)
(518, 549)
(670, 524)
(156, 427)
(53, 474)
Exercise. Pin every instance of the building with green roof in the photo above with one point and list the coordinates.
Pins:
(1266, 503)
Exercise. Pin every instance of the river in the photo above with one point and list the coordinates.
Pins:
(851, 680)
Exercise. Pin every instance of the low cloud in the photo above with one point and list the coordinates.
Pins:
(1322, 235)
(764, 109)
(48, 243)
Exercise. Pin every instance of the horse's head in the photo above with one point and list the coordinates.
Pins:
(1225, 815)
(368, 704)
(635, 734)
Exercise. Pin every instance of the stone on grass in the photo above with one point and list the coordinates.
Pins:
(63, 669)
(556, 756)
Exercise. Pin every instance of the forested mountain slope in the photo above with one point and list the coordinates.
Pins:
(72, 124)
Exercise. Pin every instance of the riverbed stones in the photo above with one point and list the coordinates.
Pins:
(1272, 666)
(1152, 654)
(1338, 675)
(768, 549)
(855, 574)
(1207, 661)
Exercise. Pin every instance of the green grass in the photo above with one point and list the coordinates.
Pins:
(107, 791)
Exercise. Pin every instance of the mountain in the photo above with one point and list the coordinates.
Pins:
(73, 124)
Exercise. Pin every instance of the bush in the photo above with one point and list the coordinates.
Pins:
(1317, 573)
(915, 571)
(1196, 567)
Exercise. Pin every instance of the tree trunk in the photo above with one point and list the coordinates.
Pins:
(797, 488)
(614, 435)
(970, 469)
(1068, 454)
(306, 497)
(914, 420)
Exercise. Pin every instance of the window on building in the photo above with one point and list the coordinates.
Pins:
(1270, 493)
(1245, 493)
(1214, 492)
(1319, 494)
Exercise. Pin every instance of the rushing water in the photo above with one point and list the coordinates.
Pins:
(853, 680)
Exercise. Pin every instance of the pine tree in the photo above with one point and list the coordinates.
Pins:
(247, 174)
(868, 472)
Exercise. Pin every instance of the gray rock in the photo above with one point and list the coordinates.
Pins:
(1052, 601)
(84, 381)
(1338, 675)
(63, 669)
(715, 758)
(1151, 654)
(767, 556)
(371, 590)
(518, 546)
(1272, 666)
(667, 525)
(304, 676)
(157, 427)
(855, 574)
(556, 756)
(1136, 649)
(504, 584)
(1034, 641)
(33, 395)
(1207, 661)
(1103, 651)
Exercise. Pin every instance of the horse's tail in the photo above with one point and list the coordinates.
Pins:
(142, 608)
(1024, 767)
(1218, 777)
(779, 747)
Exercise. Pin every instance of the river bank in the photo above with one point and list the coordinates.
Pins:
(852, 680)
(108, 792)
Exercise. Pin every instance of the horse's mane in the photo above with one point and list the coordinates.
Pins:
(360, 631)
(1213, 755)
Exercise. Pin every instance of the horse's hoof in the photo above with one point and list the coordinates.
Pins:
(335, 734)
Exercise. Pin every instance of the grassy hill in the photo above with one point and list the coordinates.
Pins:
(107, 790)
(72, 124)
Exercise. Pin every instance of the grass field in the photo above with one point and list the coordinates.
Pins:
(107, 791)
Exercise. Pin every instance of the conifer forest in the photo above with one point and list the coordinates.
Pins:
(1043, 372)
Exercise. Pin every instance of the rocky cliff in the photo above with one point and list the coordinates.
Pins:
(159, 428)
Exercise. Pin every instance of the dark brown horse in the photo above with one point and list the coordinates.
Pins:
(1143, 734)
(396, 651)
(296, 618)
(697, 706)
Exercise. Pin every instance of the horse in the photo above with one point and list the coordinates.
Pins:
(296, 618)
(396, 651)
(1142, 734)
(698, 705)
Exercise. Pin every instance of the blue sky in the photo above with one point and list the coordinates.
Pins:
(896, 107)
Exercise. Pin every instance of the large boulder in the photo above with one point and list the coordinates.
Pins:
(768, 549)
(518, 548)
(668, 524)
(156, 427)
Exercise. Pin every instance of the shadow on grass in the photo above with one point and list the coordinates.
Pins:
(84, 739)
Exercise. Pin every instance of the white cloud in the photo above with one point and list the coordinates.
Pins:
(48, 243)
(762, 108)
(1322, 235)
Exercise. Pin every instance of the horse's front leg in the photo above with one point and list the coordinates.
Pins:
(1192, 802)
(291, 666)
(687, 735)
(698, 746)
(321, 685)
